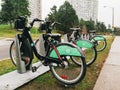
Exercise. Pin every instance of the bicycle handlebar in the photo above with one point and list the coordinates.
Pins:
(50, 26)
(35, 20)
(54, 23)
(75, 29)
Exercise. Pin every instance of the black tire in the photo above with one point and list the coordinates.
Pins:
(89, 51)
(13, 55)
(72, 73)
(101, 45)
(90, 56)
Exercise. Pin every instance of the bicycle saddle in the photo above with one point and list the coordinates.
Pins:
(92, 31)
(52, 35)
(75, 29)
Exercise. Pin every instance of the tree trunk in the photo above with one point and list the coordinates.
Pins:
(10, 22)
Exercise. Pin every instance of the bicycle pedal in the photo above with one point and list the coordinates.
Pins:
(34, 69)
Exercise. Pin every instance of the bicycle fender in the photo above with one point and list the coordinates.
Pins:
(66, 49)
(99, 38)
(84, 44)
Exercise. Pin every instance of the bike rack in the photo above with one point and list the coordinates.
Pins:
(65, 38)
(41, 45)
(20, 64)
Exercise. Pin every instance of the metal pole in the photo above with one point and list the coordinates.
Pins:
(113, 19)
(20, 64)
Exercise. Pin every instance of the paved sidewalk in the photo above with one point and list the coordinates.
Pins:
(109, 78)
(13, 80)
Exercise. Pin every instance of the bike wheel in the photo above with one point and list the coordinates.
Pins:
(90, 56)
(89, 51)
(13, 53)
(100, 43)
(71, 73)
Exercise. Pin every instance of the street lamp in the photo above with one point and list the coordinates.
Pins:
(112, 16)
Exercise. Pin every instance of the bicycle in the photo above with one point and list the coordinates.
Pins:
(88, 48)
(48, 33)
(99, 41)
(57, 56)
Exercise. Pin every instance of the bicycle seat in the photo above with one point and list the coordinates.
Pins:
(76, 29)
(53, 35)
(92, 31)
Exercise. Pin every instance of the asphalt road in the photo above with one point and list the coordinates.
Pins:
(4, 48)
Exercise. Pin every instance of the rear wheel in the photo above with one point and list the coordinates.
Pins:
(14, 58)
(71, 73)
(90, 56)
(101, 45)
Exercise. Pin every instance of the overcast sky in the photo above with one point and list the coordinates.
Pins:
(104, 14)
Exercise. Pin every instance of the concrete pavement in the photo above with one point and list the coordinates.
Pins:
(109, 78)
(13, 80)
(4, 48)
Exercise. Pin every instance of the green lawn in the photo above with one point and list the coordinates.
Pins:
(5, 31)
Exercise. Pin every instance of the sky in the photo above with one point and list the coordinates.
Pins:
(104, 14)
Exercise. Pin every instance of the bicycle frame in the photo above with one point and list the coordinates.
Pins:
(26, 33)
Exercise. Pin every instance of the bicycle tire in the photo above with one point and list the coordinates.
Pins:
(65, 75)
(90, 56)
(88, 49)
(101, 45)
(12, 52)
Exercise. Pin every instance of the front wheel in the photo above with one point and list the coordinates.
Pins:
(12, 52)
(13, 55)
(88, 49)
(71, 73)
(90, 56)
(100, 43)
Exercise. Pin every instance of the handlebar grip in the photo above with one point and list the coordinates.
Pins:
(35, 20)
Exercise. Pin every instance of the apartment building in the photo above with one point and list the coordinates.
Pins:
(86, 9)
(35, 9)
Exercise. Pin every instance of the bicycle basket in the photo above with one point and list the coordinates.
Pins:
(19, 24)
(43, 27)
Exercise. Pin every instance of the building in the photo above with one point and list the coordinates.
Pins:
(85, 9)
(35, 9)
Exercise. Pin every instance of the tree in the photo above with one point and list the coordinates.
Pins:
(66, 15)
(82, 23)
(21, 8)
(90, 25)
(6, 12)
(12, 9)
(52, 15)
(101, 27)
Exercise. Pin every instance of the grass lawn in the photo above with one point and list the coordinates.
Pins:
(6, 32)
